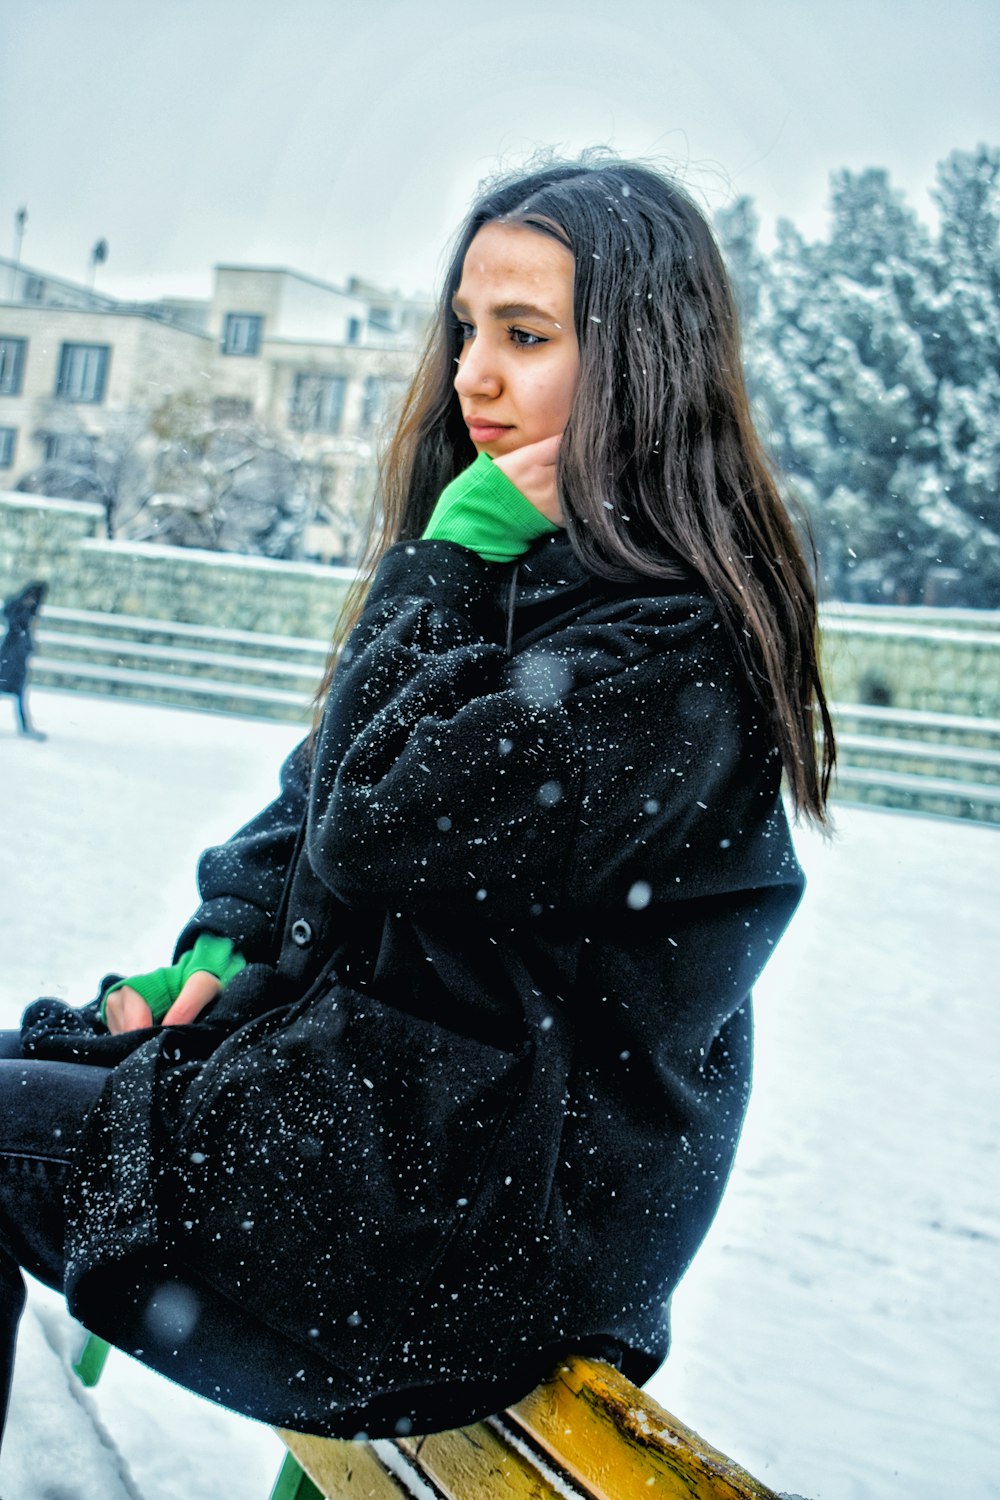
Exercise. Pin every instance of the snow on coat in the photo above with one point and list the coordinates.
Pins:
(473, 1102)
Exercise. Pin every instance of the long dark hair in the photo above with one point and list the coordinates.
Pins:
(660, 466)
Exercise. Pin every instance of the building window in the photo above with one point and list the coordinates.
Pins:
(11, 365)
(8, 438)
(83, 372)
(317, 403)
(354, 327)
(380, 400)
(241, 333)
(231, 409)
(67, 447)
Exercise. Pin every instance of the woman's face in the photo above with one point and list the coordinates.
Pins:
(520, 360)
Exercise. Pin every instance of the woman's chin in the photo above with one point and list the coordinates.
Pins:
(499, 447)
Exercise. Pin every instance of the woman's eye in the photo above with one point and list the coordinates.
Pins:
(524, 339)
(465, 330)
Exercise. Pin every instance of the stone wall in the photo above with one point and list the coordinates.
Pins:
(61, 541)
(921, 664)
(947, 661)
(41, 538)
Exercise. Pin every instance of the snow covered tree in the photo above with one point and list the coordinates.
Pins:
(110, 467)
(738, 230)
(873, 360)
(224, 482)
(967, 354)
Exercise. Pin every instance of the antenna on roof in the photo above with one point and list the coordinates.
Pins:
(20, 220)
(98, 256)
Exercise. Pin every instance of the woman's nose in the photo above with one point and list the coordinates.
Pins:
(476, 374)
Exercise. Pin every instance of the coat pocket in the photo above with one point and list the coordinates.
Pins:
(328, 1163)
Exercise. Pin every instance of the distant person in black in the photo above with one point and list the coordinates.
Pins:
(16, 647)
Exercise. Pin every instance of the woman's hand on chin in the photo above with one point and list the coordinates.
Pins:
(533, 470)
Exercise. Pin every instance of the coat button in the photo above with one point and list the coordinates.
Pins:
(302, 933)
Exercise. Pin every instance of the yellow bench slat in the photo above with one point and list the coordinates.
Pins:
(587, 1431)
(619, 1444)
(474, 1463)
(343, 1471)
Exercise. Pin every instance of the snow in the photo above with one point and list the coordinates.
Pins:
(204, 557)
(839, 1331)
(837, 1334)
(44, 502)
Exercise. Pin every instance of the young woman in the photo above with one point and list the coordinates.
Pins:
(449, 1072)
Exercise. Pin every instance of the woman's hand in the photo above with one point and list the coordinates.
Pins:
(533, 470)
(126, 1010)
(197, 993)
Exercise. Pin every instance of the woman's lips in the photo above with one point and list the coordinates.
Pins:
(485, 432)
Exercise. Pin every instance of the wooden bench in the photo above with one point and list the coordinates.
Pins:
(585, 1434)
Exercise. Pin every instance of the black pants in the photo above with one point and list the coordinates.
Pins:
(186, 1329)
(42, 1107)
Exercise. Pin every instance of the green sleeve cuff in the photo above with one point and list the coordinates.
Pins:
(161, 987)
(483, 510)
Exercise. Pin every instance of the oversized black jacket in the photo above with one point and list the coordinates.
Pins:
(474, 1100)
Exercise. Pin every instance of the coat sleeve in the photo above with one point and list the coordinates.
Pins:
(441, 774)
(451, 772)
(241, 881)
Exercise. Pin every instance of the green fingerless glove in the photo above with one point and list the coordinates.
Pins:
(160, 987)
(483, 510)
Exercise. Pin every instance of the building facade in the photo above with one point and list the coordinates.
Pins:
(320, 367)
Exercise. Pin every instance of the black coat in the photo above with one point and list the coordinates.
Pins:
(473, 1103)
(17, 645)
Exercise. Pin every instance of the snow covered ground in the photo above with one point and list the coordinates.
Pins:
(839, 1332)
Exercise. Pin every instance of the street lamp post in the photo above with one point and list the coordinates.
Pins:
(98, 256)
(20, 220)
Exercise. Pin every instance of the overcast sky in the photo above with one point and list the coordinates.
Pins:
(340, 136)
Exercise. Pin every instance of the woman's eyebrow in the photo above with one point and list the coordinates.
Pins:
(502, 311)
